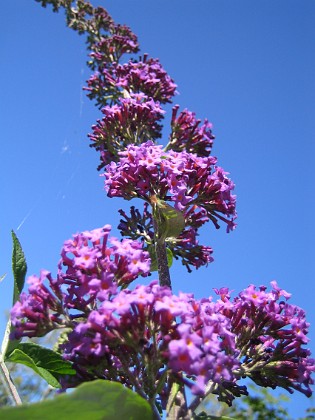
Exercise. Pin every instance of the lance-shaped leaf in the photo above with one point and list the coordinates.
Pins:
(95, 400)
(19, 267)
(45, 362)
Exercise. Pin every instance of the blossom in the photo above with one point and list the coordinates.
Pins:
(147, 330)
(91, 266)
(132, 120)
(38, 312)
(148, 76)
(111, 47)
(270, 335)
(144, 76)
(191, 182)
(136, 336)
(188, 135)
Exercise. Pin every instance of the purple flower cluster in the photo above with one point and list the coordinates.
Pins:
(146, 76)
(270, 335)
(188, 135)
(146, 171)
(87, 268)
(134, 336)
(185, 247)
(40, 310)
(111, 48)
(132, 120)
(139, 336)
(147, 337)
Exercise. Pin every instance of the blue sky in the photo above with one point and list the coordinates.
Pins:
(246, 66)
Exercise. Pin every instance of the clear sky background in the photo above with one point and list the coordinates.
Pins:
(247, 66)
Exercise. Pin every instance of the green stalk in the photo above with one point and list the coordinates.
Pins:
(161, 256)
(11, 389)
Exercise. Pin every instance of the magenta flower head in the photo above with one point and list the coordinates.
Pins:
(145, 76)
(39, 311)
(137, 336)
(111, 48)
(188, 135)
(191, 182)
(270, 335)
(132, 120)
(92, 265)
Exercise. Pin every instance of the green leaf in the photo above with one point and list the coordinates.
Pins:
(171, 221)
(98, 400)
(45, 362)
(19, 267)
(154, 264)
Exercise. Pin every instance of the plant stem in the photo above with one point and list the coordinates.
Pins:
(161, 257)
(177, 403)
(197, 400)
(163, 270)
(12, 391)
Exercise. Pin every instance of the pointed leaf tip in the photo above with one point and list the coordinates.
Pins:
(19, 267)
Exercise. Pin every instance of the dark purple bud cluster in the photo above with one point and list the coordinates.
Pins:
(185, 247)
(132, 120)
(188, 135)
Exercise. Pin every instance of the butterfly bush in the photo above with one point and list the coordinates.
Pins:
(145, 336)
